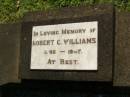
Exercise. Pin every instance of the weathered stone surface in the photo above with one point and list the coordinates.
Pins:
(9, 52)
(122, 50)
(103, 14)
(66, 13)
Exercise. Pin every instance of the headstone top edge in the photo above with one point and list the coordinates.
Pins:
(68, 12)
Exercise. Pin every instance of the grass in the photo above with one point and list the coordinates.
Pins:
(13, 10)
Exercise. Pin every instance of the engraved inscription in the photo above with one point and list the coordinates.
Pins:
(71, 46)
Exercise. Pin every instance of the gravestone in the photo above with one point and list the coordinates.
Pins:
(84, 44)
(9, 52)
(122, 50)
(74, 43)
